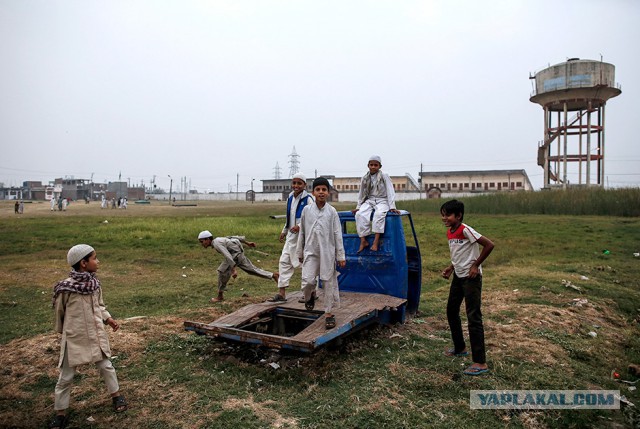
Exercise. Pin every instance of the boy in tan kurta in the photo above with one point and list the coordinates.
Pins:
(80, 316)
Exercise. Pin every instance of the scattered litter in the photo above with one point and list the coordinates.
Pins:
(516, 290)
(263, 361)
(395, 335)
(632, 388)
(274, 365)
(606, 252)
(616, 377)
(136, 317)
(90, 419)
(593, 334)
(567, 283)
(184, 275)
(106, 221)
(625, 401)
(579, 302)
(636, 254)
(584, 278)
(184, 268)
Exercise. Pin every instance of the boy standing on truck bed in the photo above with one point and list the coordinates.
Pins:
(320, 247)
(376, 197)
(233, 252)
(297, 201)
(466, 260)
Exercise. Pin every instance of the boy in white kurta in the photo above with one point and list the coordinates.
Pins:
(378, 197)
(80, 316)
(298, 199)
(320, 247)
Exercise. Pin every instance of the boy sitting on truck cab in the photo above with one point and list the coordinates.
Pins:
(378, 197)
(320, 247)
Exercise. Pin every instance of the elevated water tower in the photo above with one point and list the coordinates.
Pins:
(573, 95)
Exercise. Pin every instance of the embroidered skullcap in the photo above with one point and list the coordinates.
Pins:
(375, 158)
(77, 253)
(204, 234)
(300, 176)
(321, 181)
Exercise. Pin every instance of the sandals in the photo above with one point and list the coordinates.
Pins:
(474, 370)
(330, 323)
(311, 303)
(119, 404)
(58, 422)
(277, 298)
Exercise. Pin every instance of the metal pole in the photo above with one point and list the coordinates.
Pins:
(170, 187)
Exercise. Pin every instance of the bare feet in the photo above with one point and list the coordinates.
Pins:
(376, 243)
(363, 245)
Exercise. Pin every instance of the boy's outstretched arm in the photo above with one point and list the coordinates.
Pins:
(487, 247)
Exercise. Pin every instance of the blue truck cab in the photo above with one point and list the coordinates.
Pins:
(379, 287)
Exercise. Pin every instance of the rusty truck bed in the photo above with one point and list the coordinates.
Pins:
(288, 325)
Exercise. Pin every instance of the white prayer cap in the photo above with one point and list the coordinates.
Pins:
(78, 252)
(204, 234)
(300, 176)
(375, 158)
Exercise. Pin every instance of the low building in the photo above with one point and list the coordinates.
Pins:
(470, 182)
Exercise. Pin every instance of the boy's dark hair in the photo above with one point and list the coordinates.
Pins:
(76, 267)
(321, 181)
(454, 207)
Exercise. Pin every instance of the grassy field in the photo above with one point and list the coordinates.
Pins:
(155, 275)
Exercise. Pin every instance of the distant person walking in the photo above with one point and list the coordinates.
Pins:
(16, 207)
(21, 207)
(53, 203)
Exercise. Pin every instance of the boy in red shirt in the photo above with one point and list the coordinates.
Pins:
(466, 260)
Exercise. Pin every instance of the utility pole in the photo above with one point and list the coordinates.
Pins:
(253, 195)
(237, 185)
(420, 181)
(170, 188)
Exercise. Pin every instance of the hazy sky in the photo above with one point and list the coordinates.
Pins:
(210, 90)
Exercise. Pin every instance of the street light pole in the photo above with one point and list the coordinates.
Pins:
(253, 195)
(170, 188)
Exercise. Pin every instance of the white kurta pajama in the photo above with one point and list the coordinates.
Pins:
(376, 193)
(232, 251)
(320, 245)
(288, 261)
